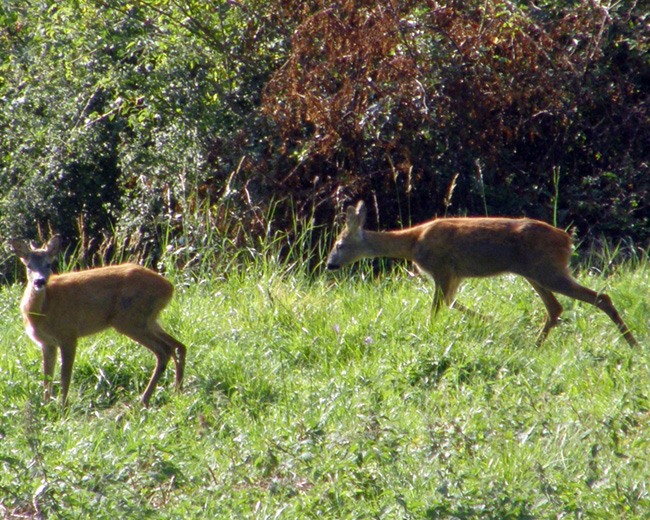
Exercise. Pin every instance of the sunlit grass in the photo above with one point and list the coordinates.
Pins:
(328, 396)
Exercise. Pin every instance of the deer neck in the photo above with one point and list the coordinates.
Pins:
(33, 302)
(392, 244)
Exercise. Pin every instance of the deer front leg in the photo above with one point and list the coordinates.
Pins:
(444, 292)
(467, 310)
(438, 299)
(49, 360)
(68, 351)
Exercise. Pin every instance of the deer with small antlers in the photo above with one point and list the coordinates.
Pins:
(59, 309)
(452, 249)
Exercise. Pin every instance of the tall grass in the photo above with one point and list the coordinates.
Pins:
(312, 395)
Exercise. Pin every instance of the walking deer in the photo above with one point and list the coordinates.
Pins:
(59, 309)
(452, 249)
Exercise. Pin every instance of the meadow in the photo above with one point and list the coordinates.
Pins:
(332, 396)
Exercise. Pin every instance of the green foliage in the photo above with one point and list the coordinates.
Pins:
(126, 123)
(117, 112)
(331, 398)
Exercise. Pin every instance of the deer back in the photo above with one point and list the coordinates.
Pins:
(475, 247)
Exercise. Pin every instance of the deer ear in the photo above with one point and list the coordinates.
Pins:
(54, 245)
(351, 217)
(356, 216)
(20, 247)
(361, 212)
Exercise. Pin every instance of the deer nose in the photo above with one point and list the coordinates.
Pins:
(332, 267)
(39, 283)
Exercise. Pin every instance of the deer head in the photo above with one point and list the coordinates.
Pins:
(37, 261)
(350, 245)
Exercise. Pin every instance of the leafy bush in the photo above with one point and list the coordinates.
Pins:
(473, 107)
(130, 124)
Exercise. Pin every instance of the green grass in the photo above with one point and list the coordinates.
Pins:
(332, 398)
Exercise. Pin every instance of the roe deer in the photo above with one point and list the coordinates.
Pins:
(58, 309)
(451, 249)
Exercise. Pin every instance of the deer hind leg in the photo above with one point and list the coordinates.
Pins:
(178, 351)
(148, 337)
(553, 308)
(567, 286)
